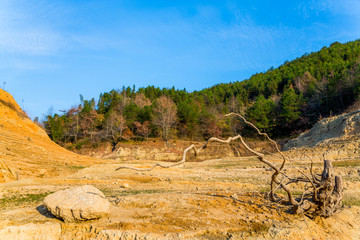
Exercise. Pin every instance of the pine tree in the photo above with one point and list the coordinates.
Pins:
(262, 113)
(290, 104)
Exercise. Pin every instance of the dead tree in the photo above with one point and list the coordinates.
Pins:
(320, 197)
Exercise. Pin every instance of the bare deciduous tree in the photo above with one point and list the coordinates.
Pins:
(87, 122)
(142, 129)
(141, 101)
(302, 82)
(164, 115)
(73, 124)
(115, 125)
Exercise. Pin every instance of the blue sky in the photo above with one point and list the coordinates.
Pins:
(53, 50)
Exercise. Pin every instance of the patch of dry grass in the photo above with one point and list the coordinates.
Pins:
(21, 199)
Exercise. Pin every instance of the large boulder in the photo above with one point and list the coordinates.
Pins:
(78, 204)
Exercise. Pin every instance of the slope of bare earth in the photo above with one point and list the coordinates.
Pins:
(338, 137)
(27, 151)
(212, 199)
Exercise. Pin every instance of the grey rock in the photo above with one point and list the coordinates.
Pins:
(78, 204)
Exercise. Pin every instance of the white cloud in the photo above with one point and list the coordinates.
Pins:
(22, 33)
(32, 30)
(344, 7)
(29, 64)
(40, 29)
(344, 17)
(33, 42)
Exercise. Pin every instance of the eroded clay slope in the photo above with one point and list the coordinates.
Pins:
(26, 150)
(337, 137)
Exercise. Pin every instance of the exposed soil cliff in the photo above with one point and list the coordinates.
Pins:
(158, 150)
(338, 137)
(339, 127)
(25, 148)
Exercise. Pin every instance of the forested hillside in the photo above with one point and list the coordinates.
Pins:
(281, 101)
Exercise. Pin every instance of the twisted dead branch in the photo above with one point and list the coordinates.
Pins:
(161, 165)
(322, 198)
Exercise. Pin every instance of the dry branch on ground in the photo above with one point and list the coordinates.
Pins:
(320, 197)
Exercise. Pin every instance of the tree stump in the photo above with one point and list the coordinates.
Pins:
(330, 192)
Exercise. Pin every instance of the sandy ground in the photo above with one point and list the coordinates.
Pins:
(214, 199)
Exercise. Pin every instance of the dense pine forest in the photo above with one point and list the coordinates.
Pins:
(282, 101)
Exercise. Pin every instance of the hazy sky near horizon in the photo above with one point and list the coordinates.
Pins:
(53, 50)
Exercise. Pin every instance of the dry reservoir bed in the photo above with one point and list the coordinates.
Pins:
(214, 199)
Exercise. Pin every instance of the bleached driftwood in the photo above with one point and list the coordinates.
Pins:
(322, 198)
